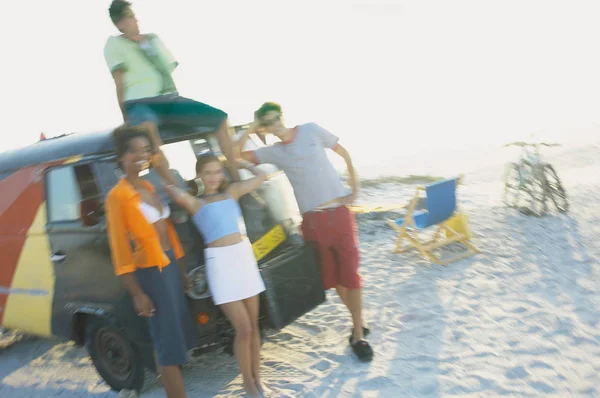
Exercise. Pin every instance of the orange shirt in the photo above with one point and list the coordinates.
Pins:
(126, 223)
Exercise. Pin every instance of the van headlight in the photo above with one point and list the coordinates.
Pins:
(199, 288)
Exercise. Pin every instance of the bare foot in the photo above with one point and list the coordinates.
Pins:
(263, 389)
(252, 391)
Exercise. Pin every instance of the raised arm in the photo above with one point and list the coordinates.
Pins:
(247, 156)
(182, 198)
(227, 148)
(239, 145)
(239, 189)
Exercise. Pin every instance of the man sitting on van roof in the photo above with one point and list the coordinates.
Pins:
(141, 66)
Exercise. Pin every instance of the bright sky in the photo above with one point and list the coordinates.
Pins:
(386, 76)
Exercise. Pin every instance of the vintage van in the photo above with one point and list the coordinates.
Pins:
(56, 275)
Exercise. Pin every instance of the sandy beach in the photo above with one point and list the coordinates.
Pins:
(520, 319)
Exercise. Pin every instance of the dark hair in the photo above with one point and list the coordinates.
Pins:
(123, 135)
(117, 10)
(266, 108)
(205, 159)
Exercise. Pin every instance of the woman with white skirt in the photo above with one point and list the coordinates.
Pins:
(231, 269)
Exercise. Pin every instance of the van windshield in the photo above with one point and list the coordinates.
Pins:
(182, 158)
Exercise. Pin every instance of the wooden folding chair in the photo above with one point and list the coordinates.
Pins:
(440, 208)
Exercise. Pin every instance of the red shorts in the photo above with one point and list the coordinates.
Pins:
(335, 236)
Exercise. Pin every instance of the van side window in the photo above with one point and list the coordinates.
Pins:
(67, 188)
(87, 183)
(63, 195)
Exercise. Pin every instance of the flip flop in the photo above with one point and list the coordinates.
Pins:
(363, 351)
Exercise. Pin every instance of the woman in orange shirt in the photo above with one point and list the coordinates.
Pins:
(149, 271)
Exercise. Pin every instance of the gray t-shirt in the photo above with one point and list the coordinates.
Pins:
(306, 165)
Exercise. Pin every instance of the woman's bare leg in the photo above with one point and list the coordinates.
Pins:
(238, 315)
(252, 305)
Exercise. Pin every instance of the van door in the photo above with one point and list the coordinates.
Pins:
(79, 248)
(26, 274)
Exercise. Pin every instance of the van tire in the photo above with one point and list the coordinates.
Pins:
(105, 344)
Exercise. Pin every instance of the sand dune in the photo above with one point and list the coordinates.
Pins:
(519, 320)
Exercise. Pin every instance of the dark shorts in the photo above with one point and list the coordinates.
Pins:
(174, 111)
(172, 327)
(335, 235)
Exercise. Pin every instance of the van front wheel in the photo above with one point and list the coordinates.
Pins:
(114, 356)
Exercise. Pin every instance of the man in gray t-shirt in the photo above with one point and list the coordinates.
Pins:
(327, 222)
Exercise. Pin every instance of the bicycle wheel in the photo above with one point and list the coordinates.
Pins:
(534, 186)
(512, 185)
(555, 189)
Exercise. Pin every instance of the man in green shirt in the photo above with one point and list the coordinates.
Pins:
(141, 66)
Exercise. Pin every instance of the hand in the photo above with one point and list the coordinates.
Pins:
(254, 127)
(257, 128)
(143, 305)
(187, 283)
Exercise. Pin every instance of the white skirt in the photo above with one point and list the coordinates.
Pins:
(232, 272)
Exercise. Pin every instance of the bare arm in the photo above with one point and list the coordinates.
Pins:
(247, 156)
(132, 285)
(182, 198)
(343, 152)
(239, 189)
(119, 77)
(227, 148)
(241, 142)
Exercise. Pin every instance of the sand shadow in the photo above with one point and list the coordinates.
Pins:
(41, 368)
(17, 350)
(26, 392)
(409, 326)
(561, 256)
(29, 368)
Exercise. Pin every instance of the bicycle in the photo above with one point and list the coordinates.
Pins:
(530, 182)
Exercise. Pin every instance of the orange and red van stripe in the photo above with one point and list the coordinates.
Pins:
(26, 272)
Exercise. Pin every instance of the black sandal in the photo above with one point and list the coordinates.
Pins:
(363, 351)
(366, 332)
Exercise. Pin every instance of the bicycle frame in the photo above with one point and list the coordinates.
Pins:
(532, 173)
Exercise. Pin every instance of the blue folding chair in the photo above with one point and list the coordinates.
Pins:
(441, 206)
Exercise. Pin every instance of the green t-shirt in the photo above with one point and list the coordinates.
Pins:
(147, 65)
